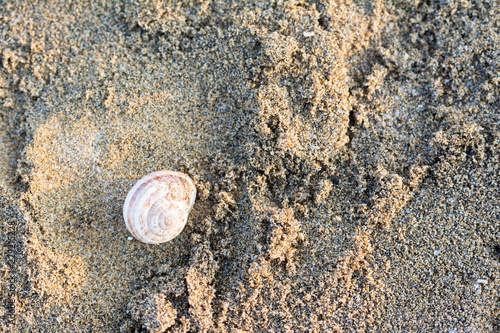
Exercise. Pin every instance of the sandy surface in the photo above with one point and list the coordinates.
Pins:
(346, 157)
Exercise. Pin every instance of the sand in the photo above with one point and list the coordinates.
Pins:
(346, 156)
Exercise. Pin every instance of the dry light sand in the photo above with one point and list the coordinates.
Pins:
(346, 156)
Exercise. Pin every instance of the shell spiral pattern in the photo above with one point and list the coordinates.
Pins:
(157, 206)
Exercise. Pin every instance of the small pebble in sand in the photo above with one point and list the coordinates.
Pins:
(157, 207)
(478, 284)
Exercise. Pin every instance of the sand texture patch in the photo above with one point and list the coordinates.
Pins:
(346, 156)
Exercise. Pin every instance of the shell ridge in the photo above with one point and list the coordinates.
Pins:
(142, 208)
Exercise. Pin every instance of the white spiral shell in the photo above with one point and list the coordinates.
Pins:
(157, 206)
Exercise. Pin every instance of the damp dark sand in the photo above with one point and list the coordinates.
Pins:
(346, 156)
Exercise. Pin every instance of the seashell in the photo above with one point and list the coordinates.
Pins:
(157, 206)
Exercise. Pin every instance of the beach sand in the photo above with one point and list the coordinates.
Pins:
(346, 156)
